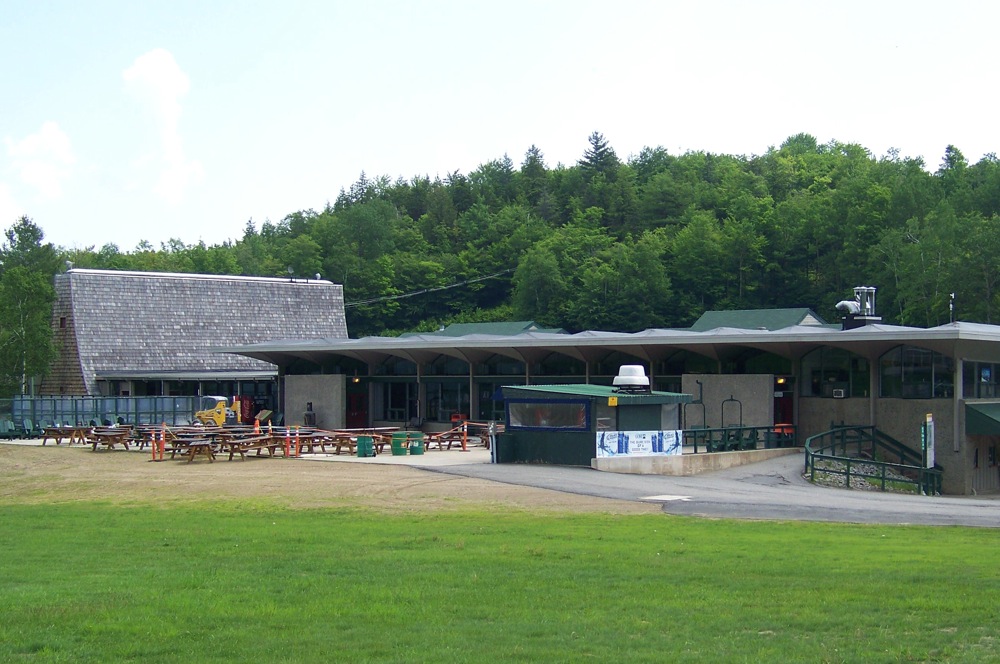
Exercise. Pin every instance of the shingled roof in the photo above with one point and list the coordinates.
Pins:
(115, 322)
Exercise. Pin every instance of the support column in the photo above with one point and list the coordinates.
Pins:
(956, 405)
(873, 382)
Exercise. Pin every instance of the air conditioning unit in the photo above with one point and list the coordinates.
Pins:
(839, 393)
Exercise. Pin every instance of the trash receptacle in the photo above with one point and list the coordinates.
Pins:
(399, 443)
(416, 442)
(366, 448)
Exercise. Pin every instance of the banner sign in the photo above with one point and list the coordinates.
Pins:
(927, 440)
(638, 443)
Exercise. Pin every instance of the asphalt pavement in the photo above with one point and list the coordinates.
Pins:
(774, 490)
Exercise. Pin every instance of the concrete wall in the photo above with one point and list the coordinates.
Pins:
(755, 391)
(327, 394)
(901, 419)
(684, 464)
(816, 414)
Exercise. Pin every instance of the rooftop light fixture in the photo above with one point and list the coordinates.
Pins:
(632, 378)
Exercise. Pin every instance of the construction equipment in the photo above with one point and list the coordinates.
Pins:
(216, 410)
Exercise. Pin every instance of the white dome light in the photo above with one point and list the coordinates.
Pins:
(631, 377)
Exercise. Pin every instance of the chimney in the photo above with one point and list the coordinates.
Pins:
(860, 310)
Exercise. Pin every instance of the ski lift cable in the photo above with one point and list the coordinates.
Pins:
(426, 290)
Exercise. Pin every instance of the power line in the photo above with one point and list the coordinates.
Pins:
(426, 290)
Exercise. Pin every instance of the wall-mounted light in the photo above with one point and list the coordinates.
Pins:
(781, 380)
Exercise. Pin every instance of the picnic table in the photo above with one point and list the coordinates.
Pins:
(240, 443)
(200, 447)
(109, 437)
(76, 434)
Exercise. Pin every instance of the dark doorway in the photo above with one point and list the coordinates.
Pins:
(357, 409)
(784, 403)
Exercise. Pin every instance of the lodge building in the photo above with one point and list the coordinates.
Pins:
(285, 342)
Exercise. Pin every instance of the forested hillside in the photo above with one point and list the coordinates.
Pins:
(649, 241)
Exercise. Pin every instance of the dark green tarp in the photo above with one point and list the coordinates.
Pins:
(982, 419)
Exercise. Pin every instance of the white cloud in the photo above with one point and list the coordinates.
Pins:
(43, 159)
(10, 211)
(158, 82)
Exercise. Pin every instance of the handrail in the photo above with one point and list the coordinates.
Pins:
(727, 439)
(867, 440)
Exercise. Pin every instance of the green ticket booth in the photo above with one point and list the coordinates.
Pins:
(559, 424)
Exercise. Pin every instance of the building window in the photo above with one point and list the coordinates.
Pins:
(980, 380)
(834, 373)
(447, 400)
(491, 400)
(548, 414)
(398, 401)
(445, 365)
(908, 372)
(62, 322)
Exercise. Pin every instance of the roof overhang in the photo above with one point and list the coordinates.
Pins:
(956, 340)
(982, 418)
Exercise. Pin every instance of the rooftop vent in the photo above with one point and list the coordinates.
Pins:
(632, 378)
(861, 310)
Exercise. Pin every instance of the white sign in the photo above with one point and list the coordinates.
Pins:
(929, 440)
(638, 443)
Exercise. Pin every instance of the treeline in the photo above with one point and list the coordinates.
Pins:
(624, 245)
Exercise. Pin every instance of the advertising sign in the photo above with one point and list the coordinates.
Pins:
(927, 440)
(638, 443)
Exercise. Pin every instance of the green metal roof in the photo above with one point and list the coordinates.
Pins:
(502, 329)
(757, 319)
(600, 392)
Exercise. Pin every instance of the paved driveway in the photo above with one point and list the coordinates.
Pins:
(772, 489)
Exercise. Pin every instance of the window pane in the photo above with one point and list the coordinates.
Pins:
(548, 415)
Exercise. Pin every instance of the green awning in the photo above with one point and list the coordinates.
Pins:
(982, 419)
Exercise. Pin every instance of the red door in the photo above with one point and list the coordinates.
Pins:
(357, 410)
(783, 401)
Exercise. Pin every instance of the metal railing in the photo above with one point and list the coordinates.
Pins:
(81, 410)
(730, 439)
(864, 452)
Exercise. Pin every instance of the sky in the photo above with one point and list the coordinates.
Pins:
(124, 121)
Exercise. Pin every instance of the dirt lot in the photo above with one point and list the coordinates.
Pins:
(62, 473)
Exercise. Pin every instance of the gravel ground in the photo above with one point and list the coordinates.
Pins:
(837, 479)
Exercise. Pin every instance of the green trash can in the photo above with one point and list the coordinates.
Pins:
(366, 447)
(399, 443)
(416, 442)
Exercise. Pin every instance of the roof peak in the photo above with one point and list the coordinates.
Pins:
(193, 275)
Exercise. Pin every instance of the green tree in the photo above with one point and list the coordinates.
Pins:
(599, 158)
(696, 265)
(539, 287)
(27, 267)
(26, 347)
(533, 180)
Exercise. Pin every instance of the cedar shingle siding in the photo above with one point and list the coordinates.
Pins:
(107, 321)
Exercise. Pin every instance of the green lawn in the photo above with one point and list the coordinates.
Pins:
(252, 582)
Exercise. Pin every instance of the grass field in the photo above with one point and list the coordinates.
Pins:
(246, 581)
